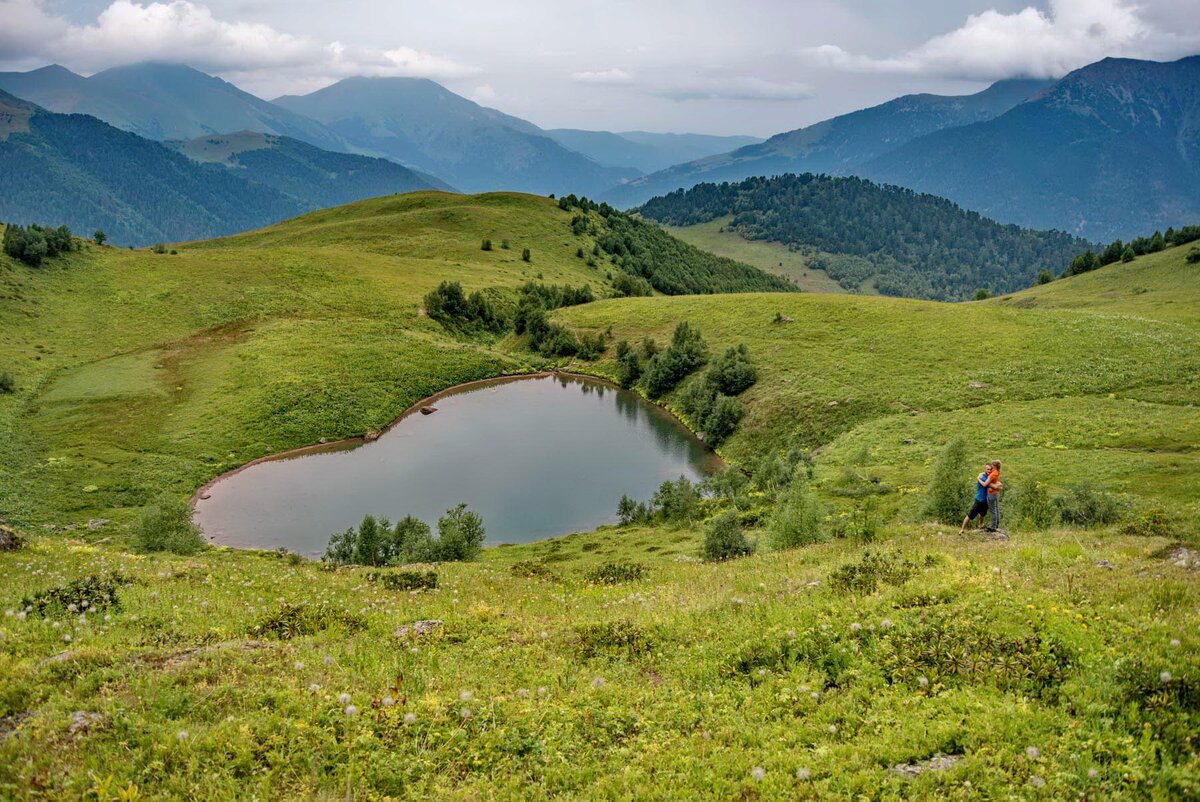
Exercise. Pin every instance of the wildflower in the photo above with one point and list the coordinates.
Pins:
(1037, 782)
(344, 699)
(1165, 677)
(387, 701)
(410, 718)
(1032, 752)
(758, 772)
(67, 637)
(815, 695)
(315, 688)
(522, 692)
(855, 627)
(9, 613)
(465, 696)
(791, 633)
(1093, 773)
(351, 710)
(1174, 643)
(182, 735)
(298, 665)
(72, 608)
(21, 616)
(465, 714)
(598, 682)
(803, 774)
(885, 623)
(328, 660)
(543, 690)
(833, 729)
(923, 682)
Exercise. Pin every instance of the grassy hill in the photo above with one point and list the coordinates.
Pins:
(1037, 664)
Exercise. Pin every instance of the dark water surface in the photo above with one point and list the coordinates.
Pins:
(534, 457)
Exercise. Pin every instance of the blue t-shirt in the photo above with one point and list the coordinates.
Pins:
(981, 487)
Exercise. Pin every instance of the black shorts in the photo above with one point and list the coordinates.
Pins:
(979, 509)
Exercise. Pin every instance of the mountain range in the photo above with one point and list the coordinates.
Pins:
(646, 151)
(77, 170)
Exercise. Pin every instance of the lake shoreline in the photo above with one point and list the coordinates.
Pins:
(372, 435)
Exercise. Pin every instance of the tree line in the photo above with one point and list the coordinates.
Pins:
(905, 243)
(31, 244)
(1118, 251)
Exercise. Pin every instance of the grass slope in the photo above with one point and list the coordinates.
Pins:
(1037, 662)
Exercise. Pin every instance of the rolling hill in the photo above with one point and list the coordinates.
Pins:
(163, 101)
(1112, 150)
(77, 170)
(421, 124)
(645, 151)
(891, 240)
(838, 145)
(1057, 663)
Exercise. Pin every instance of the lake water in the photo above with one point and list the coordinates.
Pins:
(536, 458)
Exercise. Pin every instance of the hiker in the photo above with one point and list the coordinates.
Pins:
(993, 497)
(980, 507)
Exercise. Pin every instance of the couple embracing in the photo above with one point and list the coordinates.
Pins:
(987, 498)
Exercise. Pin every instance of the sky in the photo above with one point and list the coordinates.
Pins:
(746, 67)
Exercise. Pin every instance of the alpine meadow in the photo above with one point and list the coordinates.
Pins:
(392, 491)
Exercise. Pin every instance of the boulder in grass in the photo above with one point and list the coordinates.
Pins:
(418, 629)
(10, 538)
(938, 762)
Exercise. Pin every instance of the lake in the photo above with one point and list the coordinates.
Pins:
(535, 457)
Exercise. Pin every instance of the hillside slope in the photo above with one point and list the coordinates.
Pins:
(901, 243)
(1112, 150)
(163, 101)
(77, 170)
(837, 145)
(897, 659)
(420, 123)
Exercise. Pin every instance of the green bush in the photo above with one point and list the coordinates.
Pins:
(532, 569)
(460, 536)
(1034, 506)
(377, 542)
(633, 512)
(166, 525)
(619, 638)
(1083, 505)
(722, 419)
(866, 575)
(7, 383)
(526, 256)
(297, 620)
(949, 493)
(89, 593)
(615, 573)
(629, 369)
(733, 373)
(1154, 522)
(724, 538)
(405, 580)
(486, 245)
(677, 502)
(796, 519)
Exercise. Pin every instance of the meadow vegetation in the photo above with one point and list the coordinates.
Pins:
(798, 626)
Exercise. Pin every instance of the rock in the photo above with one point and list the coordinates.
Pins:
(61, 657)
(10, 539)
(978, 385)
(832, 404)
(1183, 557)
(205, 496)
(938, 762)
(418, 628)
(82, 721)
(428, 410)
(1104, 564)
(10, 724)
(371, 436)
(97, 523)
(908, 441)
(993, 534)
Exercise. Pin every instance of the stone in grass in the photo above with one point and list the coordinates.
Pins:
(82, 721)
(418, 628)
(938, 762)
(11, 724)
(10, 539)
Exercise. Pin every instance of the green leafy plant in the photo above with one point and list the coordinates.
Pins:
(166, 525)
(616, 573)
(724, 539)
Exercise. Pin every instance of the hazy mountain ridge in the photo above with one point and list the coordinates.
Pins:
(646, 151)
(836, 145)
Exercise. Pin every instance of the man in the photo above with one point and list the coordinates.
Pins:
(980, 507)
(993, 496)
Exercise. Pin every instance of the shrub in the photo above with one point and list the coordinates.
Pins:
(166, 525)
(623, 638)
(370, 544)
(526, 256)
(405, 580)
(1044, 276)
(1193, 256)
(860, 523)
(30, 245)
(591, 346)
(696, 401)
(632, 512)
(376, 542)
(297, 620)
(532, 569)
(866, 575)
(629, 369)
(677, 502)
(460, 536)
(158, 247)
(948, 494)
(1151, 523)
(7, 383)
(666, 369)
(1083, 505)
(724, 538)
(1034, 505)
(796, 519)
(615, 573)
(722, 419)
(99, 237)
(733, 373)
(504, 244)
(91, 592)
(486, 245)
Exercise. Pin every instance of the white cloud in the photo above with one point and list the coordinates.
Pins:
(609, 76)
(733, 88)
(1029, 42)
(185, 32)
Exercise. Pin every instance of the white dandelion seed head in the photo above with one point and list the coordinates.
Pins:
(72, 608)
(298, 665)
(791, 633)
(762, 672)
(410, 718)
(543, 690)
(522, 692)
(598, 682)
(1165, 677)
(182, 735)
(351, 710)
(21, 615)
(923, 682)
(1175, 643)
(465, 714)
(1037, 782)
(1093, 773)
(855, 627)
(758, 772)
(803, 774)
(67, 637)
(314, 687)
(833, 729)
(815, 695)
(465, 696)
(343, 699)
(387, 701)
(885, 623)
(1032, 752)
(9, 613)
(327, 660)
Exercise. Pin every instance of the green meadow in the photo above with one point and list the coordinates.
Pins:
(903, 662)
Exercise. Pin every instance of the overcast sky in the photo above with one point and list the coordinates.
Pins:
(733, 66)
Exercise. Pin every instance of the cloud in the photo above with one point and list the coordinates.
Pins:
(733, 88)
(609, 76)
(184, 32)
(1029, 42)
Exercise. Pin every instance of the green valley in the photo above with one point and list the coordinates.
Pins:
(889, 657)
